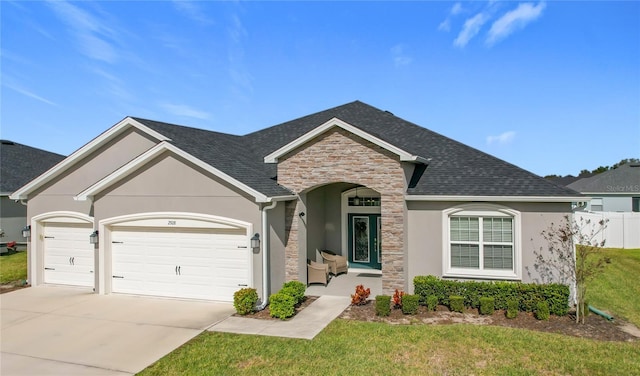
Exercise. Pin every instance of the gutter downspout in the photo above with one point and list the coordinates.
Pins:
(265, 256)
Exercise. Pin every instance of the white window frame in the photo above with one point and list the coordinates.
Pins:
(481, 210)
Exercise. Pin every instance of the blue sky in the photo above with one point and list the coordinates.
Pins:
(553, 87)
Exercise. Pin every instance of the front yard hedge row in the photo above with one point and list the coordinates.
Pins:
(527, 294)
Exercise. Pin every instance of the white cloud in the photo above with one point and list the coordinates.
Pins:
(470, 29)
(29, 93)
(399, 57)
(193, 11)
(456, 9)
(502, 139)
(185, 110)
(91, 33)
(514, 20)
(446, 24)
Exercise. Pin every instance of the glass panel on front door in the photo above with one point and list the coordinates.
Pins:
(361, 251)
(364, 240)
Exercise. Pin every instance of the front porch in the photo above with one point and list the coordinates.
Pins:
(345, 284)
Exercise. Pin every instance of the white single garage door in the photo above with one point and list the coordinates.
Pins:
(208, 264)
(68, 255)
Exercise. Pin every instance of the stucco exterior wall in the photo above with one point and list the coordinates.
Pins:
(170, 184)
(425, 234)
(338, 156)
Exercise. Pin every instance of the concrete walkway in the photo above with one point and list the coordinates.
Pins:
(305, 325)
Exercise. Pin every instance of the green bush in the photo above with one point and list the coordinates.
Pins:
(456, 303)
(487, 306)
(528, 294)
(410, 304)
(383, 305)
(432, 302)
(282, 306)
(295, 289)
(512, 308)
(542, 311)
(244, 300)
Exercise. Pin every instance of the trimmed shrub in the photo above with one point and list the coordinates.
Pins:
(542, 311)
(410, 304)
(282, 306)
(296, 289)
(528, 294)
(244, 300)
(456, 303)
(432, 302)
(487, 306)
(512, 309)
(383, 305)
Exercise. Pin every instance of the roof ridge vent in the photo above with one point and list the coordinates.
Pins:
(7, 142)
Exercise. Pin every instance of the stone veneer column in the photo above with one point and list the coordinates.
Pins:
(291, 252)
(340, 156)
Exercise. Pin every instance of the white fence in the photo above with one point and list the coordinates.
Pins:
(622, 231)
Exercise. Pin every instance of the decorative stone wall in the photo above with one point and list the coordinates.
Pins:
(340, 156)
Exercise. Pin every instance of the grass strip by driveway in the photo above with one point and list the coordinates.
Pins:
(13, 267)
(358, 348)
(617, 289)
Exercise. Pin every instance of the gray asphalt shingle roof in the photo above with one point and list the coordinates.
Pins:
(624, 179)
(20, 163)
(455, 169)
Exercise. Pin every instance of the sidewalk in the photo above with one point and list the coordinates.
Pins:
(305, 325)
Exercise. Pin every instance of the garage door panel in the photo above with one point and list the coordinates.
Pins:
(68, 255)
(212, 263)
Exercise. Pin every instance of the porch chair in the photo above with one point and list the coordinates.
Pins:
(317, 273)
(337, 264)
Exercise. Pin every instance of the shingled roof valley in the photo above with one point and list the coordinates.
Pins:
(454, 169)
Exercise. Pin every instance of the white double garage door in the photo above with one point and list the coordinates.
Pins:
(193, 263)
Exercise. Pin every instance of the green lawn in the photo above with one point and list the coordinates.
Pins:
(617, 290)
(359, 348)
(13, 267)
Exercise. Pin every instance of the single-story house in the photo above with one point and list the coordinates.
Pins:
(615, 190)
(19, 164)
(190, 213)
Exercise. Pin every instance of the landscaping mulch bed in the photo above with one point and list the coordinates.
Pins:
(265, 314)
(595, 327)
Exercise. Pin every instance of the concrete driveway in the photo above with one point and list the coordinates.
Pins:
(55, 330)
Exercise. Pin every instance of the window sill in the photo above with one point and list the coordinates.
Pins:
(480, 274)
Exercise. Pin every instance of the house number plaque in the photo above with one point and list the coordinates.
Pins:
(171, 223)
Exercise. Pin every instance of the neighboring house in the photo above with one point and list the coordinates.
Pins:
(19, 164)
(178, 209)
(616, 190)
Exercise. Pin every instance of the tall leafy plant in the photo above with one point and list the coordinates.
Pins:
(573, 255)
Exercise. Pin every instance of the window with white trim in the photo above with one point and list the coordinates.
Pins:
(481, 243)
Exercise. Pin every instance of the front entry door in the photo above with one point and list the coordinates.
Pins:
(364, 241)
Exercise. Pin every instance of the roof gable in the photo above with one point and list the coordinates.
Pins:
(83, 152)
(337, 123)
(149, 155)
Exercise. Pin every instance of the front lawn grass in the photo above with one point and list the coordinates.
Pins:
(617, 289)
(13, 267)
(358, 348)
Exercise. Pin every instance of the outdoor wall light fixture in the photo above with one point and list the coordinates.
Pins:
(255, 241)
(93, 238)
(26, 232)
(356, 199)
